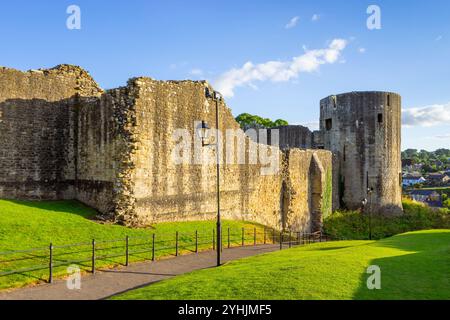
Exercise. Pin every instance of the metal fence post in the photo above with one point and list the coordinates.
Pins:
(254, 236)
(320, 235)
(176, 244)
(221, 239)
(273, 236)
(265, 235)
(243, 236)
(281, 240)
(127, 253)
(214, 239)
(50, 266)
(93, 256)
(196, 241)
(290, 239)
(153, 247)
(228, 235)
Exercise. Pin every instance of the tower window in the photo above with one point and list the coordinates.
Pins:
(389, 100)
(345, 156)
(329, 124)
(380, 118)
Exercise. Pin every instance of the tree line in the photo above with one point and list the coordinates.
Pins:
(432, 161)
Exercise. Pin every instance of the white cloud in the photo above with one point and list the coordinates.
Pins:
(292, 23)
(196, 72)
(439, 38)
(315, 17)
(362, 50)
(313, 125)
(429, 116)
(279, 71)
(443, 136)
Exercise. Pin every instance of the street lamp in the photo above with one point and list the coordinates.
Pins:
(203, 132)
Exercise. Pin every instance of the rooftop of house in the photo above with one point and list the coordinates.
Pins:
(424, 193)
(413, 176)
(436, 175)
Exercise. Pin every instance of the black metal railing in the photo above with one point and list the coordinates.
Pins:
(91, 255)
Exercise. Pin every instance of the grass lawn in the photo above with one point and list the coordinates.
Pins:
(26, 225)
(413, 265)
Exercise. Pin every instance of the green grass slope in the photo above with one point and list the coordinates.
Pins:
(414, 265)
(26, 225)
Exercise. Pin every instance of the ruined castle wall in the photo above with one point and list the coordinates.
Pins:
(36, 131)
(363, 130)
(295, 137)
(62, 137)
(162, 189)
(96, 153)
(309, 186)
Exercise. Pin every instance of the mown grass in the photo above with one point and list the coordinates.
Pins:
(353, 225)
(413, 266)
(26, 225)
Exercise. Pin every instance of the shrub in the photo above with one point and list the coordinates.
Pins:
(355, 225)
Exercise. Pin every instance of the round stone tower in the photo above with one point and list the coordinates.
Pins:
(363, 130)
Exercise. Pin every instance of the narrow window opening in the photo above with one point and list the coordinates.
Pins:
(329, 124)
(380, 118)
(389, 100)
(345, 156)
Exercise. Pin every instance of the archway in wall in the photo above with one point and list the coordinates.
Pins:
(316, 181)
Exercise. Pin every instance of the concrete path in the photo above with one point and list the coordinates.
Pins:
(106, 283)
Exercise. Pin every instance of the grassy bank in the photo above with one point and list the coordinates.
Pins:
(413, 266)
(352, 225)
(25, 225)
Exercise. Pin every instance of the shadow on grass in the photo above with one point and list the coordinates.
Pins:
(67, 206)
(422, 272)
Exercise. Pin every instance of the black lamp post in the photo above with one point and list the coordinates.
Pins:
(204, 135)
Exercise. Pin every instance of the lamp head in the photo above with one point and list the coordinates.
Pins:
(217, 95)
(203, 130)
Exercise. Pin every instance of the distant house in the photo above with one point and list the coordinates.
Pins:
(430, 197)
(412, 179)
(438, 179)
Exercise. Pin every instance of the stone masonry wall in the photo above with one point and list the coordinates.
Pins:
(363, 130)
(37, 117)
(62, 137)
(166, 191)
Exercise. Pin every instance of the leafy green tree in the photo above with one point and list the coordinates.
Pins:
(247, 121)
(446, 204)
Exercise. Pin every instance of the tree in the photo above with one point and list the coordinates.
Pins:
(446, 204)
(247, 121)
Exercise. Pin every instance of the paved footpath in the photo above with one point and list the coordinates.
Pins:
(106, 283)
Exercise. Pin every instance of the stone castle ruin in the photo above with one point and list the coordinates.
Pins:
(63, 137)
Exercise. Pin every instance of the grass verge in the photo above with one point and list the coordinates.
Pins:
(413, 266)
(25, 225)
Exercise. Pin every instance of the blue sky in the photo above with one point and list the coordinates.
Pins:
(209, 39)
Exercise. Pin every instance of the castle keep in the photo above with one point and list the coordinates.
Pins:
(363, 129)
(63, 137)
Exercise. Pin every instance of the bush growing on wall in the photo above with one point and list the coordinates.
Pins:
(355, 225)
